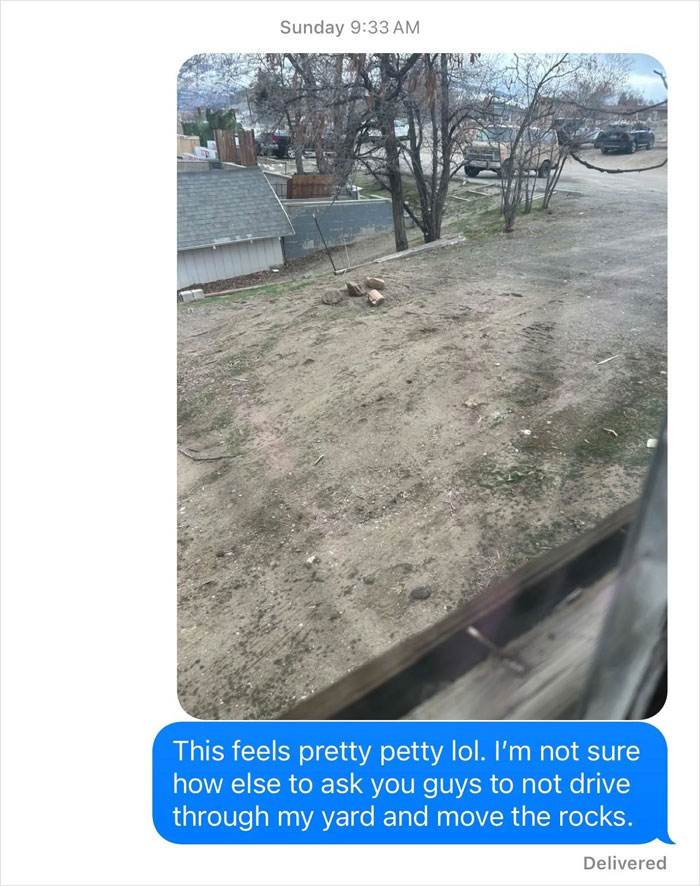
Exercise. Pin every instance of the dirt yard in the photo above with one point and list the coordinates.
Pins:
(386, 464)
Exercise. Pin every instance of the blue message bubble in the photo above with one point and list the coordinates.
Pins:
(410, 782)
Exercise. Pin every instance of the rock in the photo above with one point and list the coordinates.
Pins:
(652, 443)
(354, 289)
(332, 296)
(526, 432)
(312, 560)
(421, 593)
(375, 283)
(374, 297)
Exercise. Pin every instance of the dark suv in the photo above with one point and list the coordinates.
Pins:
(626, 137)
(273, 144)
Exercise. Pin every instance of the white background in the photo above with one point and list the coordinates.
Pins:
(88, 360)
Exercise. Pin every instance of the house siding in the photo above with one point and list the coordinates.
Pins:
(207, 265)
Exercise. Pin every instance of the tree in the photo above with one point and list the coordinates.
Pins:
(436, 110)
(207, 121)
(277, 96)
(550, 88)
(345, 97)
(630, 97)
(532, 80)
(431, 94)
(384, 99)
(347, 107)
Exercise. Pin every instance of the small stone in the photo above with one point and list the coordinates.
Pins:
(526, 432)
(652, 443)
(332, 296)
(421, 593)
(312, 560)
(375, 283)
(354, 289)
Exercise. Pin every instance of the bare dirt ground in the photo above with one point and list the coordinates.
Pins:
(428, 482)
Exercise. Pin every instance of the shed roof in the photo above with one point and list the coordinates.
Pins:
(226, 206)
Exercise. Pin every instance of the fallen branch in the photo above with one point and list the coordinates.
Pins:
(614, 171)
(203, 457)
(475, 194)
(607, 360)
(434, 244)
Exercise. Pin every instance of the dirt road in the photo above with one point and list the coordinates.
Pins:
(462, 428)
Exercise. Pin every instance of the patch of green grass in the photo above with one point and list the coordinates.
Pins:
(189, 409)
(486, 473)
(635, 416)
(271, 289)
(521, 475)
(480, 224)
(221, 421)
(533, 540)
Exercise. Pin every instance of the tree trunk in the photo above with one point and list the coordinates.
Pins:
(396, 188)
(553, 180)
(393, 169)
(297, 140)
(322, 163)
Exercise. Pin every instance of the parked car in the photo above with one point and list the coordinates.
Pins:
(594, 137)
(375, 135)
(569, 132)
(492, 149)
(627, 137)
(273, 144)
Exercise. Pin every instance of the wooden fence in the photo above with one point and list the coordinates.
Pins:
(307, 187)
(238, 147)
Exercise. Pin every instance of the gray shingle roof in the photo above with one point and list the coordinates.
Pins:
(224, 205)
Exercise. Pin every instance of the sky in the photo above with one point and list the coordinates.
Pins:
(643, 78)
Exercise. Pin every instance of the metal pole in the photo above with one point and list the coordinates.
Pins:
(328, 252)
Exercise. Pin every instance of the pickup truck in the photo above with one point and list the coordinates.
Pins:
(493, 149)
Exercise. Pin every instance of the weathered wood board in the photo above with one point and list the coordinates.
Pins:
(558, 652)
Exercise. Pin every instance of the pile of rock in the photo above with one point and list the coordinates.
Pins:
(371, 290)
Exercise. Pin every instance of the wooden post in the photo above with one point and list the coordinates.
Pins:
(246, 140)
(226, 146)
